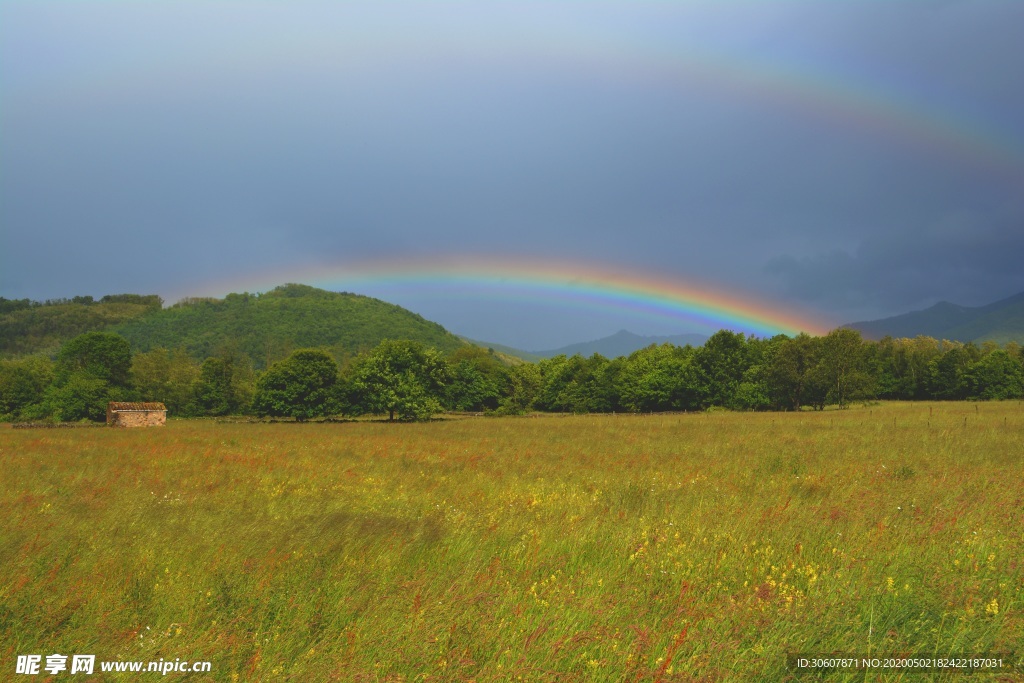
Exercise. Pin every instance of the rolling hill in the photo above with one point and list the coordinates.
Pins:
(269, 326)
(266, 327)
(34, 327)
(1001, 322)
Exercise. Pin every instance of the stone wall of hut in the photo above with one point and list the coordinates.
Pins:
(137, 418)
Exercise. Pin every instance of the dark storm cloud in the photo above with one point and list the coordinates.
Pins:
(274, 137)
(966, 259)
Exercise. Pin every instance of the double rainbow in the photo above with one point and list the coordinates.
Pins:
(873, 103)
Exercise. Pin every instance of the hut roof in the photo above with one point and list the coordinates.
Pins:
(135, 405)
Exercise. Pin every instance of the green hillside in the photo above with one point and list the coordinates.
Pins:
(28, 327)
(269, 326)
(1001, 324)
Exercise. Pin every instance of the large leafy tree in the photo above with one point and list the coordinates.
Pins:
(754, 390)
(576, 384)
(22, 383)
(211, 393)
(949, 378)
(302, 386)
(477, 379)
(98, 355)
(166, 376)
(524, 381)
(900, 366)
(842, 367)
(91, 370)
(81, 397)
(723, 361)
(662, 378)
(400, 378)
(226, 384)
(789, 372)
(997, 375)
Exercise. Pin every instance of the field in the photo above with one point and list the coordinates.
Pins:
(700, 547)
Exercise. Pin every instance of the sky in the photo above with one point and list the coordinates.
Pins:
(825, 162)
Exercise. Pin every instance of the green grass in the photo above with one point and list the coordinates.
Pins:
(601, 548)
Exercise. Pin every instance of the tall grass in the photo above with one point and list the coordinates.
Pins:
(593, 548)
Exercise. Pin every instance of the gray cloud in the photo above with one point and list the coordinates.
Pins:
(699, 139)
(968, 259)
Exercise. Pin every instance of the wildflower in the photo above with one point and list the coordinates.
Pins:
(992, 607)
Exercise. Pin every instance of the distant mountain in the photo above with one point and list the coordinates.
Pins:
(1000, 322)
(269, 326)
(622, 343)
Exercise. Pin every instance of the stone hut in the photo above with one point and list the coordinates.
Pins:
(121, 414)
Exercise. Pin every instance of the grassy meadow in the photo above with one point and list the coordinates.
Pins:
(698, 547)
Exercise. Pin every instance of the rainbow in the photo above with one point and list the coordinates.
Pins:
(573, 284)
(845, 104)
(870, 103)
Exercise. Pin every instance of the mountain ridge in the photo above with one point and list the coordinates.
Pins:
(1001, 321)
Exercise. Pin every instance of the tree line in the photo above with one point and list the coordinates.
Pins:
(406, 380)
(148, 300)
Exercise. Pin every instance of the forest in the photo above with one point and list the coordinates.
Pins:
(409, 380)
(266, 327)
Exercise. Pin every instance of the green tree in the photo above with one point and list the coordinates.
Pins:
(166, 376)
(660, 378)
(754, 391)
(79, 397)
(788, 372)
(303, 386)
(98, 355)
(841, 366)
(226, 384)
(91, 370)
(900, 366)
(948, 372)
(1015, 351)
(477, 380)
(997, 375)
(576, 384)
(403, 378)
(211, 393)
(22, 385)
(521, 391)
(12, 305)
(723, 360)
